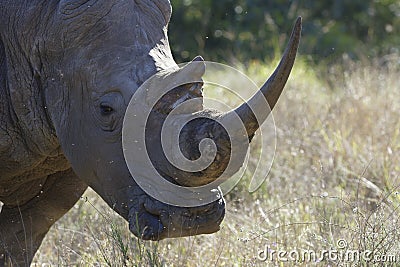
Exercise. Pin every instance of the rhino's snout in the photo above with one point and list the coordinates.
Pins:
(157, 221)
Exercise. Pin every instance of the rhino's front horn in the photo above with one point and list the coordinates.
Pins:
(255, 111)
(224, 139)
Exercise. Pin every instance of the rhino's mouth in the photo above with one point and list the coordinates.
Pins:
(157, 221)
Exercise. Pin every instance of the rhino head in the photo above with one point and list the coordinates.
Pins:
(100, 53)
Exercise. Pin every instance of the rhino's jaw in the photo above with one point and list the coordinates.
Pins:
(157, 221)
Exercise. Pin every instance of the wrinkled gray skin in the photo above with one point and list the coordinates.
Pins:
(67, 72)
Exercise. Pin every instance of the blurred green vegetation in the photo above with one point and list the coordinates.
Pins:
(246, 30)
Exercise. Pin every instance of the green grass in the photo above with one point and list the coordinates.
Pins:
(335, 176)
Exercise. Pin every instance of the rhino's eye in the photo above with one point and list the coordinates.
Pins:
(105, 109)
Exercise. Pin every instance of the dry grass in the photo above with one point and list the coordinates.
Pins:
(335, 176)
